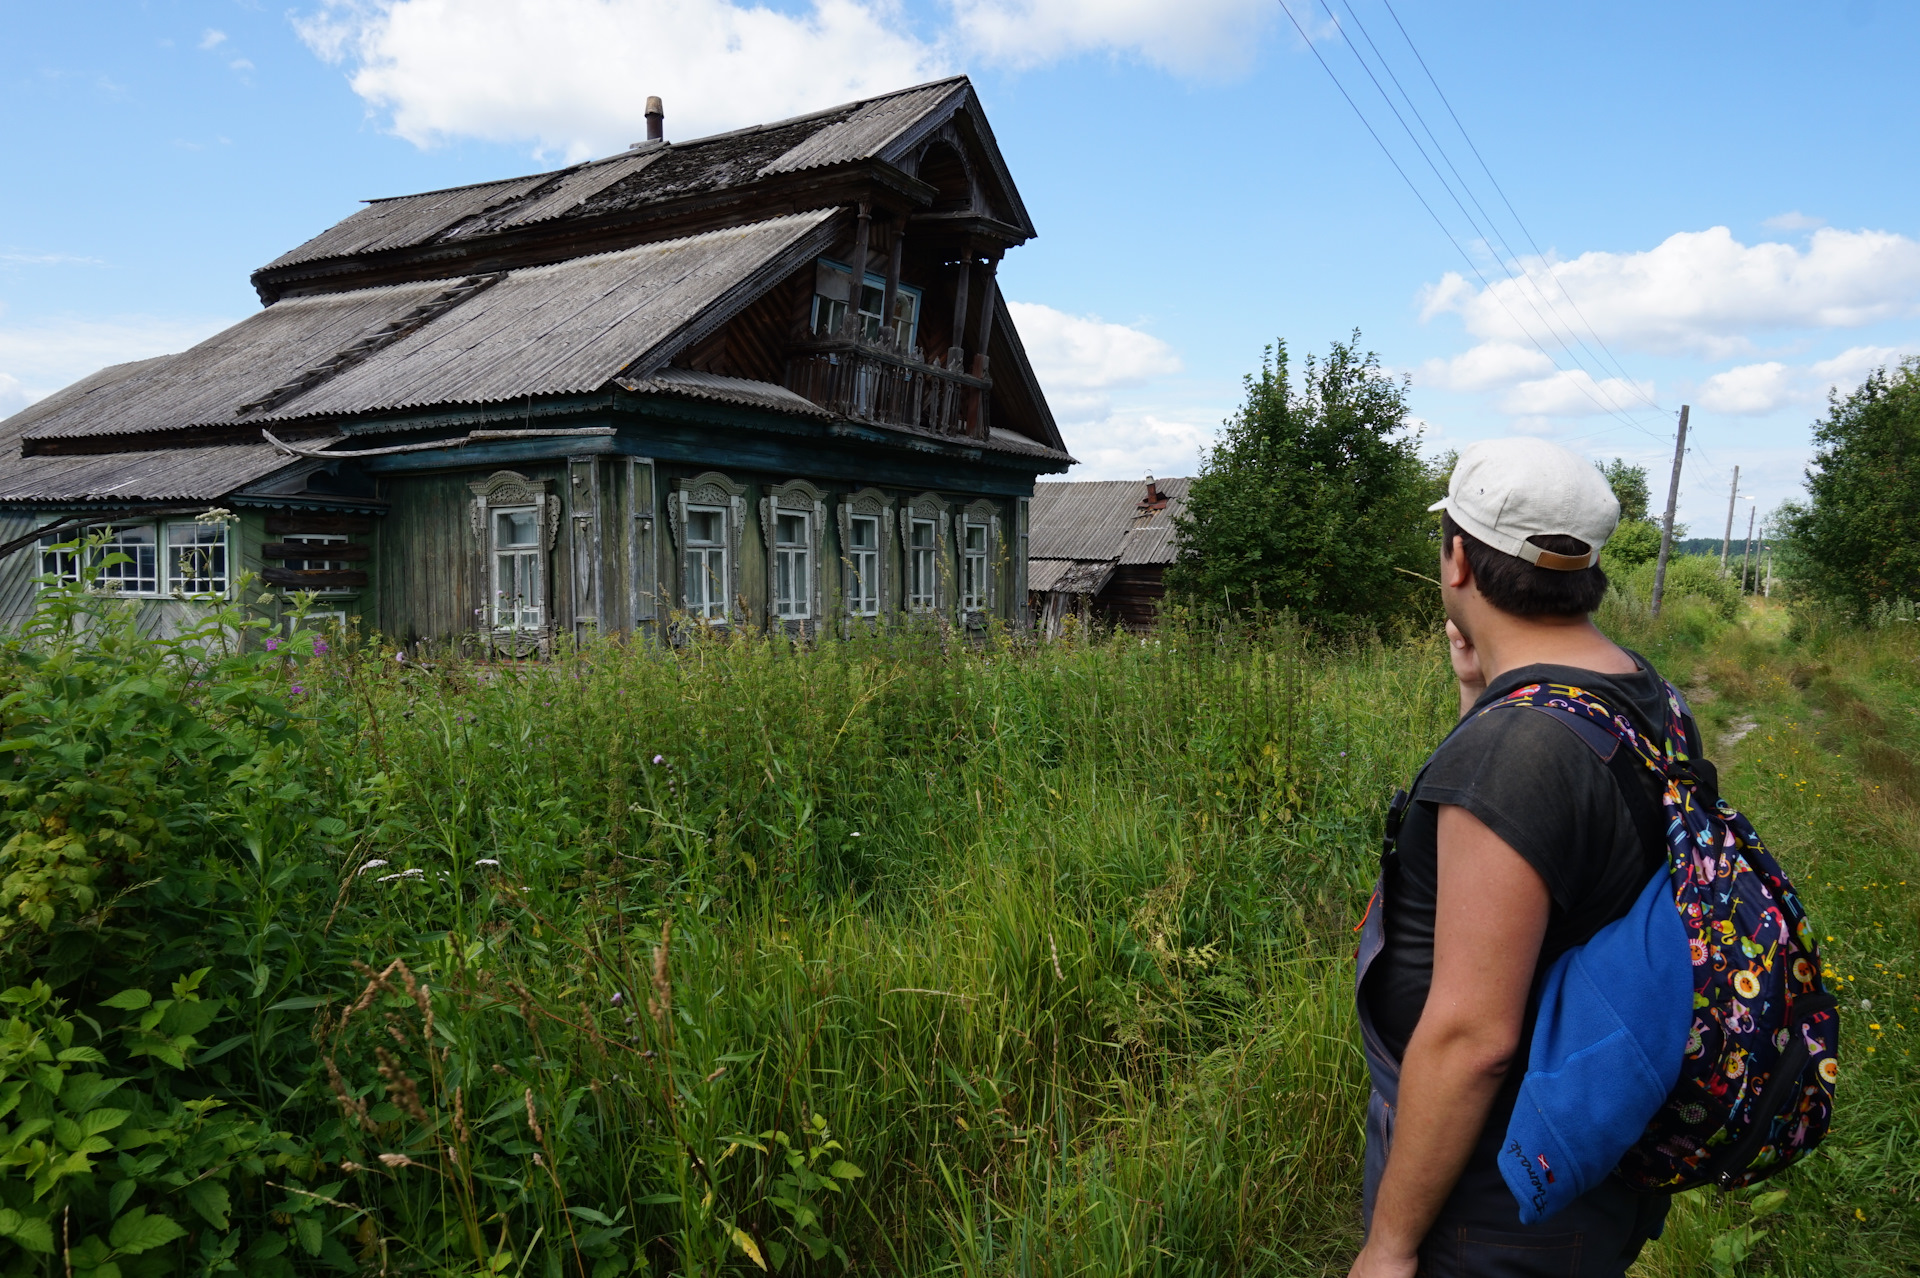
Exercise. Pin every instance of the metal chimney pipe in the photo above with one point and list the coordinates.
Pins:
(656, 120)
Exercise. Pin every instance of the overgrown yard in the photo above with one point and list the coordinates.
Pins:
(888, 954)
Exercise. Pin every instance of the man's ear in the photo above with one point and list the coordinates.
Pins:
(1455, 572)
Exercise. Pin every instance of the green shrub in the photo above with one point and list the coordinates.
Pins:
(1688, 576)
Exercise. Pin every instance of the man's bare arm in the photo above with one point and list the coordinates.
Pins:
(1488, 923)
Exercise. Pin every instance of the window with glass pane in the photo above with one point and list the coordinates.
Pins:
(921, 566)
(704, 575)
(60, 553)
(830, 307)
(519, 594)
(792, 582)
(197, 558)
(863, 558)
(138, 573)
(973, 575)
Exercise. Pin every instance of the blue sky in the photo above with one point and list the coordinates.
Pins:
(1720, 198)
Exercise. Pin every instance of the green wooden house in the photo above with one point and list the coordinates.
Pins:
(757, 379)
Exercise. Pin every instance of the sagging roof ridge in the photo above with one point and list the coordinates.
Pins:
(703, 139)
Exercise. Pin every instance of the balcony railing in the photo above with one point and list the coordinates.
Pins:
(874, 382)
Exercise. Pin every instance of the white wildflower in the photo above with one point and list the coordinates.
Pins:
(371, 865)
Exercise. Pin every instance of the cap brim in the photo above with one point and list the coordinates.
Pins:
(1438, 505)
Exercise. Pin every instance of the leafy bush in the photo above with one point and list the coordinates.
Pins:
(1314, 500)
(1688, 577)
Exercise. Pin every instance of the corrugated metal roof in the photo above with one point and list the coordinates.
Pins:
(1069, 576)
(729, 390)
(167, 474)
(1155, 545)
(866, 132)
(853, 131)
(564, 328)
(405, 220)
(1094, 519)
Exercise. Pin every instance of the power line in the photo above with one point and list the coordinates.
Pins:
(1612, 410)
(1493, 236)
(1485, 168)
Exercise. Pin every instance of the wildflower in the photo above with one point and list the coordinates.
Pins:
(1866, 1005)
(319, 647)
(371, 865)
(298, 690)
(659, 759)
(617, 1000)
(486, 860)
(400, 657)
(271, 644)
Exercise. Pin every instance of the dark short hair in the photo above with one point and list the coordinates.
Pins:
(1515, 586)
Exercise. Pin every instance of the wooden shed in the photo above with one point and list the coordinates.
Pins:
(1099, 550)
(762, 378)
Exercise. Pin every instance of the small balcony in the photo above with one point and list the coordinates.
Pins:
(872, 381)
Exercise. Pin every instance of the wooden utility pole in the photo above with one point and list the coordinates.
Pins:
(1746, 552)
(1666, 526)
(1733, 495)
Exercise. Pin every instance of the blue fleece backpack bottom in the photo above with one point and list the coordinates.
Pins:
(1606, 1053)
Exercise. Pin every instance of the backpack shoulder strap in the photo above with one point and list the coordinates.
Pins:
(1636, 769)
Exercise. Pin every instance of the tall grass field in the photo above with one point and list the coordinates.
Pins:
(893, 955)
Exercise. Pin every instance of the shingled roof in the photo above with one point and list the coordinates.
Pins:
(566, 328)
(1080, 533)
(638, 181)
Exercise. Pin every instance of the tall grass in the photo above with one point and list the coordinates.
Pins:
(898, 952)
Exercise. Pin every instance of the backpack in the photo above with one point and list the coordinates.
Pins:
(1753, 1089)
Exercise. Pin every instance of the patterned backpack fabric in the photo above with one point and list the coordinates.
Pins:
(1756, 1087)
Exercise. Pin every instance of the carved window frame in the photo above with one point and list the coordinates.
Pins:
(506, 490)
(709, 489)
(928, 508)
(873, 504)
(797, 497)
(980, 514)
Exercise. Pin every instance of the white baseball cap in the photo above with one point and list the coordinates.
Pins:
(1504, 491)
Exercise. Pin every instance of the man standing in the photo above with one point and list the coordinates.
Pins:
(1516, 846)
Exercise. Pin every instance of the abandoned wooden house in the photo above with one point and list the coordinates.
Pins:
(1099, 550)
(761, 378)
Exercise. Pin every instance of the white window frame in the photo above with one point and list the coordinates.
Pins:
(202, 538)
(919, 595)
(980, 571)
(500, 492)
(976, 589)
(528, 560)
(708, 605)
(155, 577)
(710, 491)
(795, 498)
(872, 564)
(832, 291)
(863, 566)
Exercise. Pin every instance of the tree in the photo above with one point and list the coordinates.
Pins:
(1629, 484)
(1313, 498)
(1856, 541)
(1637, 540)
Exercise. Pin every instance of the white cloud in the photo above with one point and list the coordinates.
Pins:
(1487, 366)
(1851, 366)
(1078, 353)
(1794, 221)
(1750, 390)
(573, 76)
(48, 259)
(1129, 444)
(1574, 393)
(213, 38)
(1701, 291)
(39, 358)
(1193, 36)
(240, 64)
